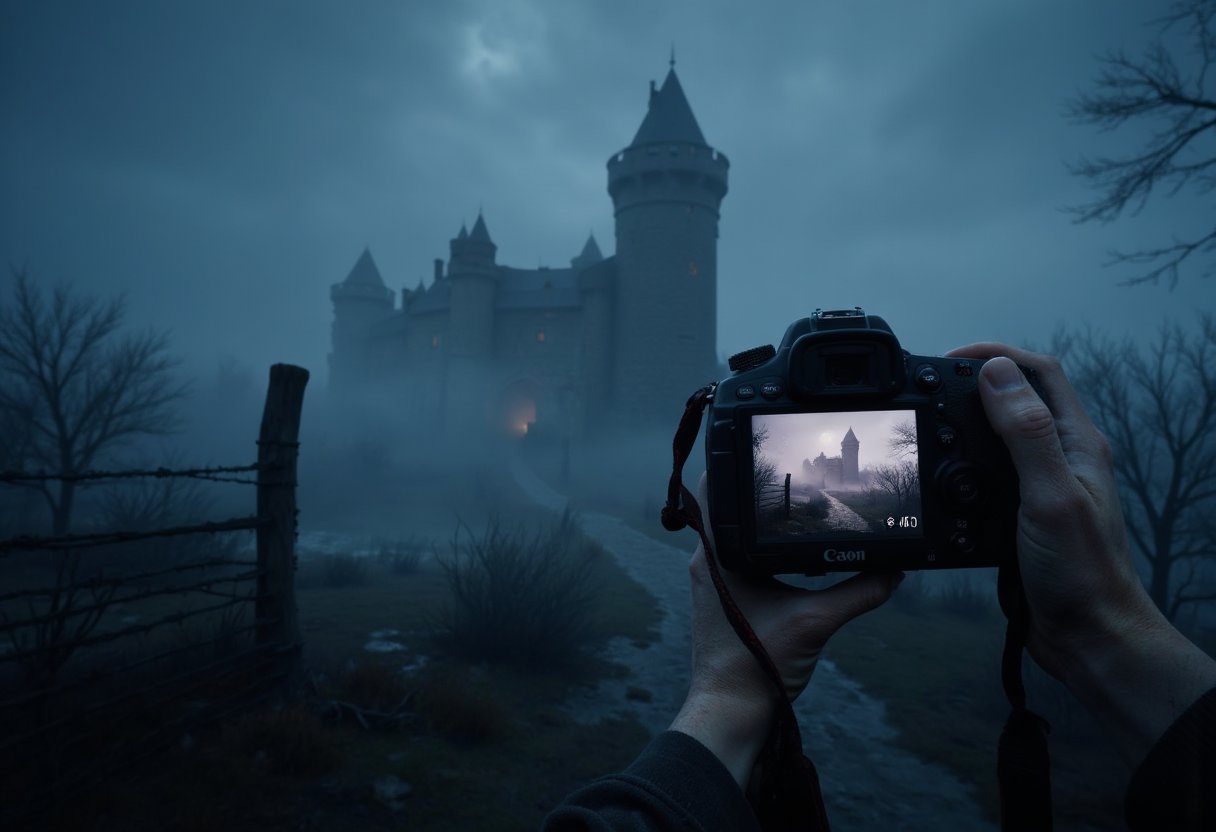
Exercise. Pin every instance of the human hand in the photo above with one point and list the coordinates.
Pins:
(731, 701)
(1092, 624)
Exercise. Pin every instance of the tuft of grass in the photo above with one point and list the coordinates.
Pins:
(404, 557)
(460, 704)
(343, 570)
(525, 599)
(373, 685)
(291, 741)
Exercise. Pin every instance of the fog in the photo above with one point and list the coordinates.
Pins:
(225, 166)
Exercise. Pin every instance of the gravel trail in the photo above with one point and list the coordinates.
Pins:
(868, 783)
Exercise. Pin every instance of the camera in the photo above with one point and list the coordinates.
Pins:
(840, 451)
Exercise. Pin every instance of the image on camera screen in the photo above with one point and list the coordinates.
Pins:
(819, 476)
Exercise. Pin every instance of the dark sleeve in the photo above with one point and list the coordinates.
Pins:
(1175, 786)
(675, 783)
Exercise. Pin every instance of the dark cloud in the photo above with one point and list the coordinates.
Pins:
(223, 163)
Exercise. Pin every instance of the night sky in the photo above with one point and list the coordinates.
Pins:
(223, 163)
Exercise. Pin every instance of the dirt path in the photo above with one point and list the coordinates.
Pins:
(868, 783)
(841, 518)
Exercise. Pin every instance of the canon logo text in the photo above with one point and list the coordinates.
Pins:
(838, 555)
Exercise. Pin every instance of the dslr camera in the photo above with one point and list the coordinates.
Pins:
(840, 451)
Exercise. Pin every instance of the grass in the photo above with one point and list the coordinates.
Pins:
(940, 677)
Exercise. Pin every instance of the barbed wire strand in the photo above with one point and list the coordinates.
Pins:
(119, 580)
(84, 541)
(159, 473)
(182, 589)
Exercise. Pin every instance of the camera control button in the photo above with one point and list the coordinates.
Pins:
(963, 542)
(771, 390)
(964, 487)
(946, 436)
(746, 391)
(962, 368)
(928, 378)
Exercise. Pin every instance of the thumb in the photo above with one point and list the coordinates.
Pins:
(1026, 425)
(863, 592)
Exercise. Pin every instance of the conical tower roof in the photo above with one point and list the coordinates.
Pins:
(850, 438)
(364, 272)
(480, 233)
(670, 117)
(589, 256)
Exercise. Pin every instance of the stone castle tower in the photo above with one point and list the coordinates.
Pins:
(666, 188)
(619, 340)
(849, 473)
(836, 471)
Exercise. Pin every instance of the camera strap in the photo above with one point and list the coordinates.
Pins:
(785, 791)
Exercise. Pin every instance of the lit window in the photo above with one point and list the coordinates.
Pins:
(692, 267)
(540, 336)
(434, 342)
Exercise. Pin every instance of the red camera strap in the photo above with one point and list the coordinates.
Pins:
(784, 790)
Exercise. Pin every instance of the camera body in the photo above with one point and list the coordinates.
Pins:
(840, 451)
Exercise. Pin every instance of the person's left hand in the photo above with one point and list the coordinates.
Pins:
(731, 701)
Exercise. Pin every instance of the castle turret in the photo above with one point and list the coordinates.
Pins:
(666, 188)
(850, 475)
(474, 280)
(360, 301)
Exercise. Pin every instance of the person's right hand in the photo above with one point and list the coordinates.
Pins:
(1092, 624)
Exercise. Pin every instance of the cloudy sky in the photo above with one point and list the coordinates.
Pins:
(793, 437)
(223, 163)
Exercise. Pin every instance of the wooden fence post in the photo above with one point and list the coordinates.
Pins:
(787, 496)
(278, 448)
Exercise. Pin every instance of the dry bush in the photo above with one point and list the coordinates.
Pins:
(521, 598)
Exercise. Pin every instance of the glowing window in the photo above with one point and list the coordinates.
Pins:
(540, 336)
(692, 267)
(434, 342)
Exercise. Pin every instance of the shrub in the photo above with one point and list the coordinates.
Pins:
(344, 570)
(521, 598)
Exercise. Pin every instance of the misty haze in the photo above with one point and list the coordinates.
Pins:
(342, 348)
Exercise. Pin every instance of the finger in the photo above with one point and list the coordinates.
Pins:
(848, 599)
(1085, 447)
(1028, 428)
(1063, 400)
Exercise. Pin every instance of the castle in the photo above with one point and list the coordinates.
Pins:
(609, 341)
(837, 471)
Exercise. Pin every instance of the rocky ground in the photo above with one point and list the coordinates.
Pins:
(868, 782)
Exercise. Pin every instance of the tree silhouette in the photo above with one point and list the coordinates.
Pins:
(1157, 407)
(72, 387)
(1154, 89)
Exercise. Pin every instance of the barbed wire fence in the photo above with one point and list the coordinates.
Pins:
(100, 668)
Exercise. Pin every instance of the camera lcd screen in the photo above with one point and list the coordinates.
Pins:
(826, 476)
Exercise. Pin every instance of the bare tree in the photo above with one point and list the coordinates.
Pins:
(903, 438)
(73, 387)
(901, 481)
(1157, 407)
(764, 470)
(1175, 100)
